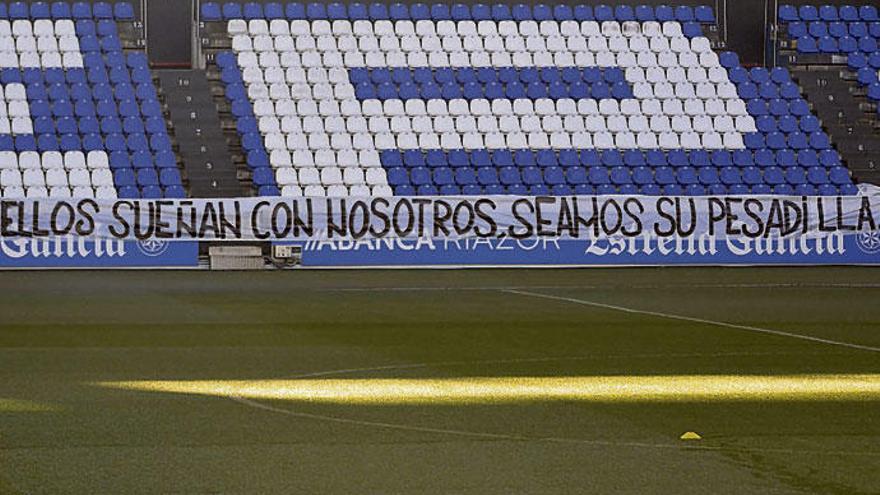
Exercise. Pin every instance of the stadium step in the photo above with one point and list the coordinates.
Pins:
(202, 147)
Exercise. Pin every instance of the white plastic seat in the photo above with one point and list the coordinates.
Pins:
(29, 160)
(331, 176)
(83, 192)
(291, 191)
(352, 176)
(33, 177)
(280, 158)
(647, 140)
(105, 192)
(59, 192)
(302, 158)
(309, 176)
(381, 190)
(669, 140)
(78, 177)
(10, 177)
(97, 159)
(8, 160)
(52, 160)
(359, 191)
(314, 191)
(102, 177)
(236, 27)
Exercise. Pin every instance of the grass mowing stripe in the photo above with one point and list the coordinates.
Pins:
(692, 319)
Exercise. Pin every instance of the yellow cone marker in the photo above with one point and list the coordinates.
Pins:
(691, 435)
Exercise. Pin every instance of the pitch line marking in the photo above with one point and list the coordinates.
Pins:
(692, 319)
(596, 287)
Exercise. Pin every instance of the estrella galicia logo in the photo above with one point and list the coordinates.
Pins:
(153, 247)
(869, 241)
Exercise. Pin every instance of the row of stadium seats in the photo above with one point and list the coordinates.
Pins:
(829, 13)
(120, 11)
(481, 29)
(211, 11)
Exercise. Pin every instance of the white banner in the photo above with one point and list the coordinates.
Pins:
(488, 217)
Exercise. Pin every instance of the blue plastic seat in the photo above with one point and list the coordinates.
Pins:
(273, 10)
(788, 13)
(603, 13)
(598, 175)
(576, 176)
(839, 176)
(296, 10)
(264, 176)
(487, 176)
(123, 11)
(868, 13)
(102, 10)
(848, 13)
(232, 10)
(620, 176)
(808, 13)
(828, 13)
(664, 13)
(807, 44)
(704, 14)
(465, 176)
(583, 12)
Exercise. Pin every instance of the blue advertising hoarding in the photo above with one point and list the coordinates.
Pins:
(833, 249)
(85, 252)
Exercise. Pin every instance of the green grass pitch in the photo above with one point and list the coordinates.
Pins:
(198, 382)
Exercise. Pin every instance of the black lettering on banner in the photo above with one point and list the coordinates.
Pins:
(281, 220)
(402, 204)
(442, 214)
(753, 209)
(161, 227)
(334, 228)
(820, 206)
(230, 227)
(793, 217)
(716, 213)
(379, 210)
(540, 220)
(659, 229)
(36, 230)
(693, 215)
(255, 223)
(805, 208)
(421, 203)
(774, 218)
(209, 221)
(611, 229)
(304, 225)
(528, 228)
(866, 217)
(62, 218)
(634, 210)
(7, 221)
(587, 223)
(123, 229)
(86, 210)
(186, 220)
(359, 211)
(564, 220)
(841, 226)
(486, 216)
(143, 228)
(468, 209)
(731, 216)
